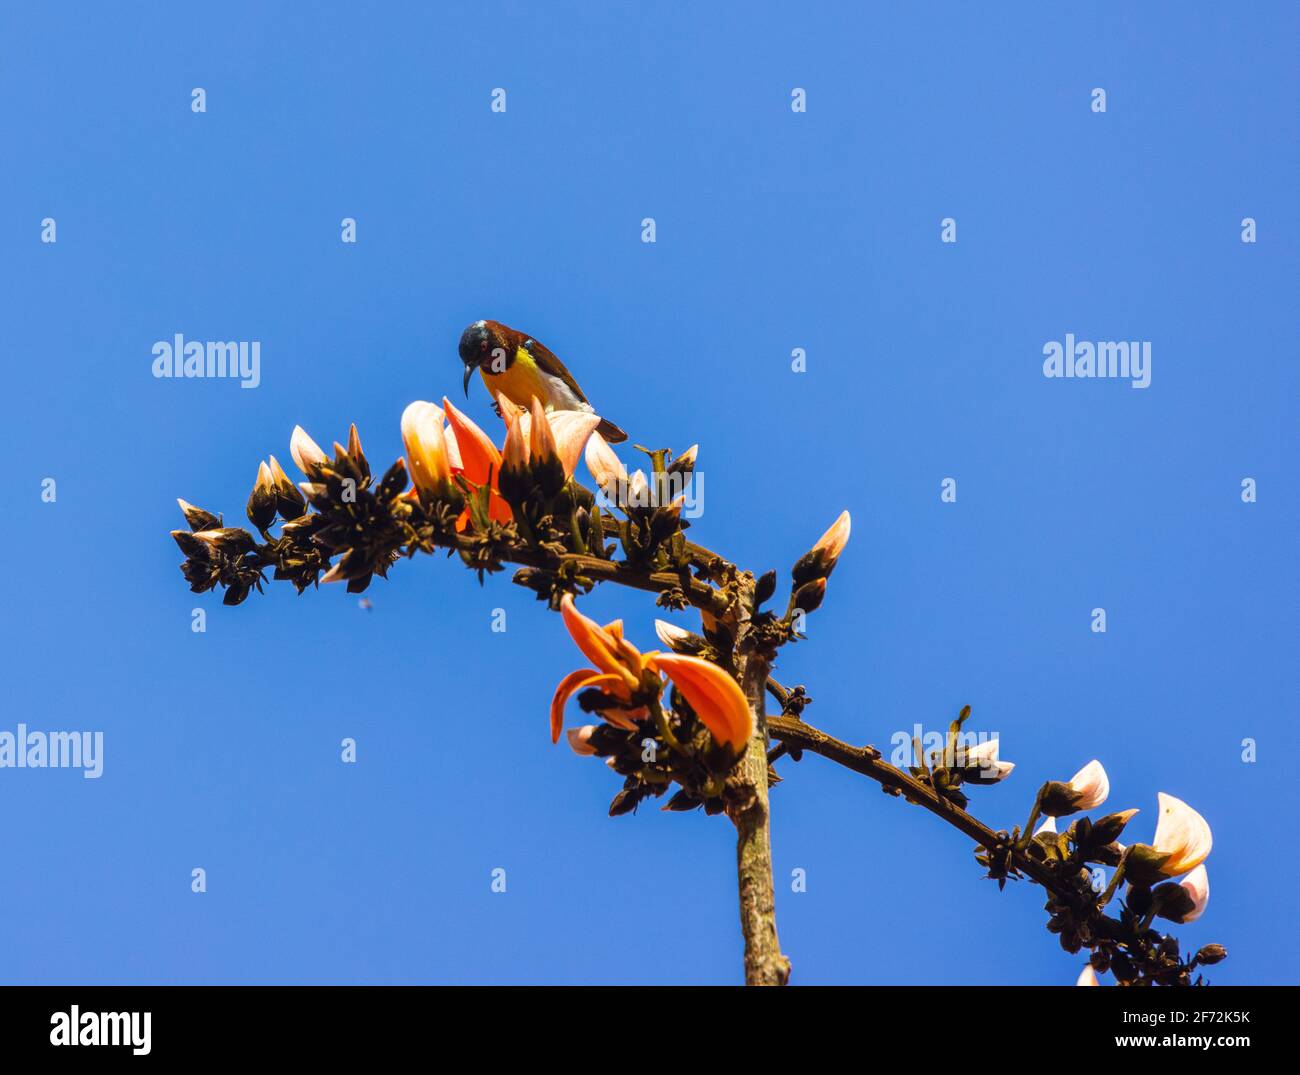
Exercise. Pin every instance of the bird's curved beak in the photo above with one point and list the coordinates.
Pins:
(469, 372)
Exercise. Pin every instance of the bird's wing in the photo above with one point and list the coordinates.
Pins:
(548, 363)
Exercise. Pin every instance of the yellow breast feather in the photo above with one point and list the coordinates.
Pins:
(520, 381)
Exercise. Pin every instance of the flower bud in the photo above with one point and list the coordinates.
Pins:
(1087, 976)
(354, 450)
(580, 739)
(191, 546)
(197, 518)
(288, 501)
(1109, 828)
(1086, 789)
(515, 452)
(678, 639)
(306, 453)
(1211, 954)
(229, 539)
(982, 765)
(638, 491)
(541, 438)
(819, 561)
(261, 507)
(393, 483)
(809, 596)
(684, 463)
(317, 493)
(681, 801)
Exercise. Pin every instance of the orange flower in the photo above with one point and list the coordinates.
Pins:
(426, 447)
(541, 441)
(714, 695)
(618, 672)
(536, 434)
(479, 461)
(621, 670)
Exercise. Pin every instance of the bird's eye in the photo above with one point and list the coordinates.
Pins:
(482, 347)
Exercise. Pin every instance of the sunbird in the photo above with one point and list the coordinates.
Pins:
(521, 369)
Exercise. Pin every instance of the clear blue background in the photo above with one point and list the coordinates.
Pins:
(775, 231)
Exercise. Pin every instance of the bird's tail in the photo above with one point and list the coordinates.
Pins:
(611, 432)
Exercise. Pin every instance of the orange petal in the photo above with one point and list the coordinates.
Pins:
(514, 453)
(571, 431)
(426, 447)
(479, 456)
(498, 509)
(508, 407)
(541, 441)
(716, 698)
(569, 686)
(601, 648)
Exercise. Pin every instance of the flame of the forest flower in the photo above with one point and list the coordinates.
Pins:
(714, 695)
(1182, 834)
(478, 459)
(607, 470)
(620, 669)
(1197, 886)
(426, 446)
(1092, 785)
(984, 756)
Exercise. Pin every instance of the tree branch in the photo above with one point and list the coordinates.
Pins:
(764, 963)
(800, 735)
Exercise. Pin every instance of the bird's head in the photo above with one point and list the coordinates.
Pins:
(479, 345)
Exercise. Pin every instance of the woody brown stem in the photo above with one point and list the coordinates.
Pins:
(699, 594)
(764, 963)
(749, 809)
(868, 762)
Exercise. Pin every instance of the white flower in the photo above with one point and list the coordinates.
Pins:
(1091, 784)
(1182, 834)
(1087, 976)
(605, 466)
(984, 756)
(1197, 885)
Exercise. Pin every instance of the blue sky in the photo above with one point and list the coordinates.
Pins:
(775, 230)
